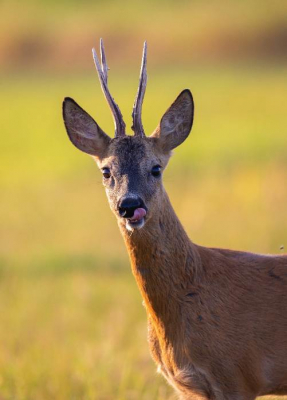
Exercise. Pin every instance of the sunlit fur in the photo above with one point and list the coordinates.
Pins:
(217, 319)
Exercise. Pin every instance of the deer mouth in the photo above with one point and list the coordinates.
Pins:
(137, 220)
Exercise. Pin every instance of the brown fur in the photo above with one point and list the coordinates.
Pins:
(217, 319)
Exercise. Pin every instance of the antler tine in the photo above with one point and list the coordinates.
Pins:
(102, 70)
(103, 61)
(137, 108)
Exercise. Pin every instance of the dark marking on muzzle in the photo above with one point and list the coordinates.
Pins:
(128, 205)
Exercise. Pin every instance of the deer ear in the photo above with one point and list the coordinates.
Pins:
(83, 131)
(176, 123)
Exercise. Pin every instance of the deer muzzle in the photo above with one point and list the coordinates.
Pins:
(133, 210)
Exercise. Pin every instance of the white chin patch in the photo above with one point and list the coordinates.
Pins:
(131, 226)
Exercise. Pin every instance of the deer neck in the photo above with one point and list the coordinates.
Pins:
(164, 262)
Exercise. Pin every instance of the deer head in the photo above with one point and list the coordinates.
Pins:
(132, 166)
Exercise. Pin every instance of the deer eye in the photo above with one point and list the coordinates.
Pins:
(106, 173)
(156, 171)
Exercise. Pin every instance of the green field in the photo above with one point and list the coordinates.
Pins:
(72, 323)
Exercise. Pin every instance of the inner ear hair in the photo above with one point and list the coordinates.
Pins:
(176, 123)
(83, 131)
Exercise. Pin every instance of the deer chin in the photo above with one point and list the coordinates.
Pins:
(131, 226)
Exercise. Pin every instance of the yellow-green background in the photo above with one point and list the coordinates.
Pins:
(72, 326)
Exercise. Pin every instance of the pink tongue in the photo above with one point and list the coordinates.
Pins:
(138, 214)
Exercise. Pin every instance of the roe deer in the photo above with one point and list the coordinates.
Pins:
(217, 319)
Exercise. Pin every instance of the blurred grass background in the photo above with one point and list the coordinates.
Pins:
(71, 321)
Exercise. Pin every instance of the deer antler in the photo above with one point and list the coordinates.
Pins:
(137, 108)
(102, 70)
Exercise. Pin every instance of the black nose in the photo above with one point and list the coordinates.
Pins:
(128, 206)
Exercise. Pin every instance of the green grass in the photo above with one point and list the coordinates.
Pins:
(72, 324)
(74, 334)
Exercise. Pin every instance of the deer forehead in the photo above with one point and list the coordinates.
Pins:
(126, 153)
